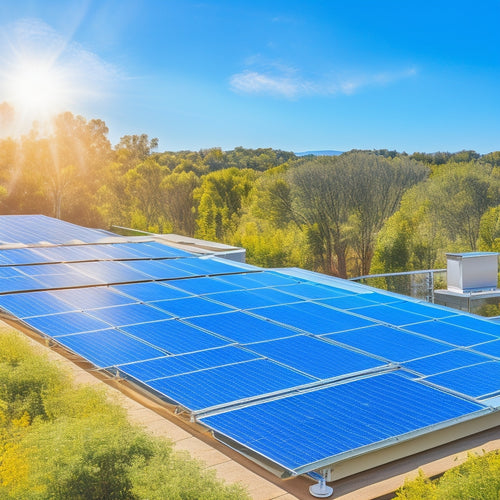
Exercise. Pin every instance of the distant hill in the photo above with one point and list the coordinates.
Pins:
(326, 152)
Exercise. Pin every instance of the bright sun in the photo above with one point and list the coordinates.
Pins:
(36, 89)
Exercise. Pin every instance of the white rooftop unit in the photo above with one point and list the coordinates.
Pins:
(472, 271)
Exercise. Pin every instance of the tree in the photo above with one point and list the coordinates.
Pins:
(221, 196)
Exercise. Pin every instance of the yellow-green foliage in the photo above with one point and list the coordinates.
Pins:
(59, 441)
(476, 479)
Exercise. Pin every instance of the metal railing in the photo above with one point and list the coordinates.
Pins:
(417, 284)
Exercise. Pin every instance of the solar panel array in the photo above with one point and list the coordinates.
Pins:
(264, 358)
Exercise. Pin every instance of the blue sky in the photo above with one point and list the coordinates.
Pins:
(293, 75)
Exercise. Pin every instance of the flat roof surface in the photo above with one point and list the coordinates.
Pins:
(298, 369)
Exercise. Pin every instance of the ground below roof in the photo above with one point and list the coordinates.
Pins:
(262, 485)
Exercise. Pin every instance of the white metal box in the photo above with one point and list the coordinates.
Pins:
(472, 271)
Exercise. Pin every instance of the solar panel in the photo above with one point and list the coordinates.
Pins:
(348, 301)
(243, 280)
(306, 317)
(145, 371)
(352, 415)
(445, 361)
(190, 306)
(73, 253)
(269, 278)
(390, 315)
(150, 292)
(389, 343)
(175, 337)
(241, 327)
(315, 357)
(129, 314)
(449, 333)
(155, 250)
(20, 284)
(160, 270)
(203, 285)
(24, 305)
(18, 256)
(91, 298)
(107, 348)
(229, 383)
(34, 229)
(491, 348)
(9, 272)
(476, 381)
(248, 299)
(45, 269)
(480, 325)
(309, 291)
(55, 325)
(425, 309)
(202, 267)
(109, 272)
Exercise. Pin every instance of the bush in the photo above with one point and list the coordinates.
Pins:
(58, 441)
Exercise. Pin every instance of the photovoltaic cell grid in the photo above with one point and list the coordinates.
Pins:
(204, 333)
(331, 421)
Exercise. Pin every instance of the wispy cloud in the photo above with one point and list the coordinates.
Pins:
(281, 81)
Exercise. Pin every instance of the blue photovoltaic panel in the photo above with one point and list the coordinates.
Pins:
(69, 279)
(203, 285)
(204, 267)
(33, 229)
(228, 383)
(425, 309)
(72, 253)
(157, 269)
(24, 305)
(310, 291)
(20, 284)
(175, 337)
(349, 301)
(185, 363)
(129, 314)
(449, 333)
(491, 348)
(150, 291)
(241, 327)
(161, 270)
(305, 316)
(389, 343)
(446, 361)
(92, 298)
(9, 272)
(269, 278)
(190, 306)
(382, 298)
(481, 325)
(390, 315)
(55, 325)
(17, 256)
(155, 250)
(109, 347)
(243, 280)
(110, 271)
(315, 357)
(248, 299)
(349, 416)
(45, 269)
(476, 381)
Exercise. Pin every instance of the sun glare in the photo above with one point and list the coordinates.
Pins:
(36, 89)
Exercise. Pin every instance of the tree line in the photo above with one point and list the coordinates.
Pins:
(347, 215)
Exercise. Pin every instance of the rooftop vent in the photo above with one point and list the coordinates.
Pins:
(472, 271)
